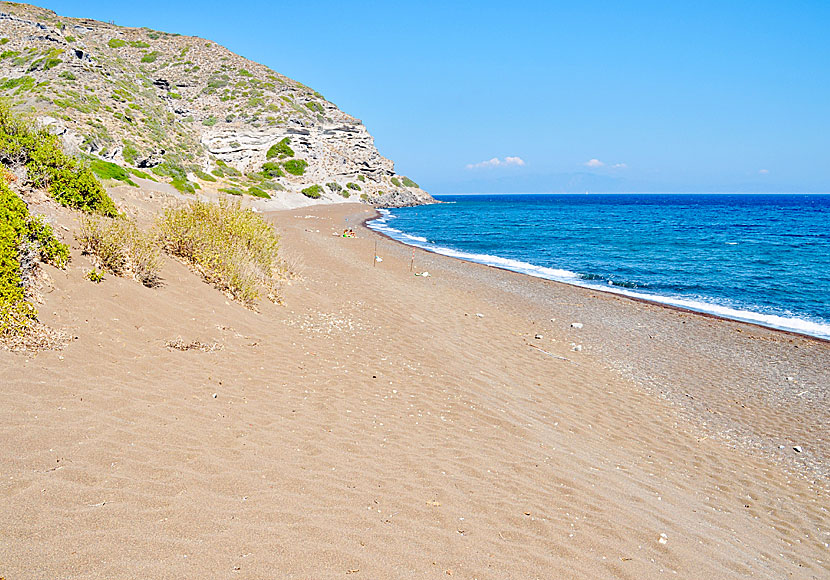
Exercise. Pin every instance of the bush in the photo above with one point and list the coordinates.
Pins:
(202, 175)
(48, 167)
(183, 185)
(353, 186)
(18, 229)
(150, 57)
(334, 187)
(257, 192)
(233, 248)
(117, 246)
(395, 182)
(313, 192)
(116, 43)
(295, 166)
(409, 183)
(272, 169)
(280, 150)
(361, 177)
(106, 170)
(209, 122)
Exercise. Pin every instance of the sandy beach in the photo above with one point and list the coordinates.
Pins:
(475, 423)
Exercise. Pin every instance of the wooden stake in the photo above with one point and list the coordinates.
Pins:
(412, 261)
(375, 257)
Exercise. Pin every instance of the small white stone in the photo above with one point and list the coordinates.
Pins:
(479, 314)
(798, 449)
(215, 395)
(576, 325)
(578, 348)
(664, 539)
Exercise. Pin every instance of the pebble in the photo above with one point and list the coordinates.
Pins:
(215, 395)
(798, 449)
(538, 337)
(664, 539)
(578, 348)
(479, 314)
(576, 325)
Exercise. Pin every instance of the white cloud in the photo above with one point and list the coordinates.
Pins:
(620, 166)
(594, 163)
(764, 171)
(496, 162)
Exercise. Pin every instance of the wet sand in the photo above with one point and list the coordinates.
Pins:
(383, 425)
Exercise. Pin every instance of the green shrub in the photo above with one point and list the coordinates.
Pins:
(139, 44)
(19, 228)
(95, 275)
(116, 43)
(150, 57)
(129, 152)
(183, 185)
(257, 192)
(244, 73)
(67, 75)
(106, 170)
(202, 175)
(334, 187)
(361, 177)
(345, 193)
(315, 106)
(233, 248)
(295, 166)
(142, 175)
(231, 190)
(117, 246)
(313, 191)
(209, 122)
(281, 150)
(395, 182)
(3, 41)
(67, 181)
(70, 39)
(353, 186)
(409, 183)
(272, 169)
(364, 197)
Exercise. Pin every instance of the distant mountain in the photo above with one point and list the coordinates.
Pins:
(188, 110)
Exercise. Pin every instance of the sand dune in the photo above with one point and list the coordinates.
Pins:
(375, 426)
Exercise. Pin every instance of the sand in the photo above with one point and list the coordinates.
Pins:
(383, 425)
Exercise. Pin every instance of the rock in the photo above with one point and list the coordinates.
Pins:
(479, 314)
(577, 348)
(576, 325)
(664, 539)
(215, 395)
(798, 449)
(538, 337)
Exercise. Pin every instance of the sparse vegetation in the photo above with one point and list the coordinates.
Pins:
(95, 275)
(409, 183)
(116, 43)
(257, 192)
(150, 57)
(334, 187)
(313, 191)
(353, 186)
(272, 169)
(233, 248)
(117, 246)
(396, 182)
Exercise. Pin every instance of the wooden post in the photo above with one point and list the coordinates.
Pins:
(412, 260)
(375, 256)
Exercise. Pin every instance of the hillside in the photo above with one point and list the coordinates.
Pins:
(186, 110)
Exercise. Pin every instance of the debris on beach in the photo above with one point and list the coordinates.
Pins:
(538, 337)
(577, 348)
(664, 539)
(798, 449)
(479, 314)
(576, 325)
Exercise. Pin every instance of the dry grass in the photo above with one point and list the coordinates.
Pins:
(233, 248)
(120, 248)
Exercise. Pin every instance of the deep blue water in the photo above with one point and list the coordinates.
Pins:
(760, 258)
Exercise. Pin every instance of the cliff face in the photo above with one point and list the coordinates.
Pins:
(189, 110)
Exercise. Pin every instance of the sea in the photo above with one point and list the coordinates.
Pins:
(763, 259)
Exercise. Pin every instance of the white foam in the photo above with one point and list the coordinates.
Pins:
(791, 324)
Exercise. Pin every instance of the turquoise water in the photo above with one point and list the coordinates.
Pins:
(758, 258)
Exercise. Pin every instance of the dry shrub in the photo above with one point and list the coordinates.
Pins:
(120, 248)
(233, 248)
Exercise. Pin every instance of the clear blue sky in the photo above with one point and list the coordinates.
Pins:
(679, 96)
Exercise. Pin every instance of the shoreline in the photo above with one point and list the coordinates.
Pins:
(741, 434)
(622, 294)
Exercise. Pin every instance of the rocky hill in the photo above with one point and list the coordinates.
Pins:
(186, 110)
